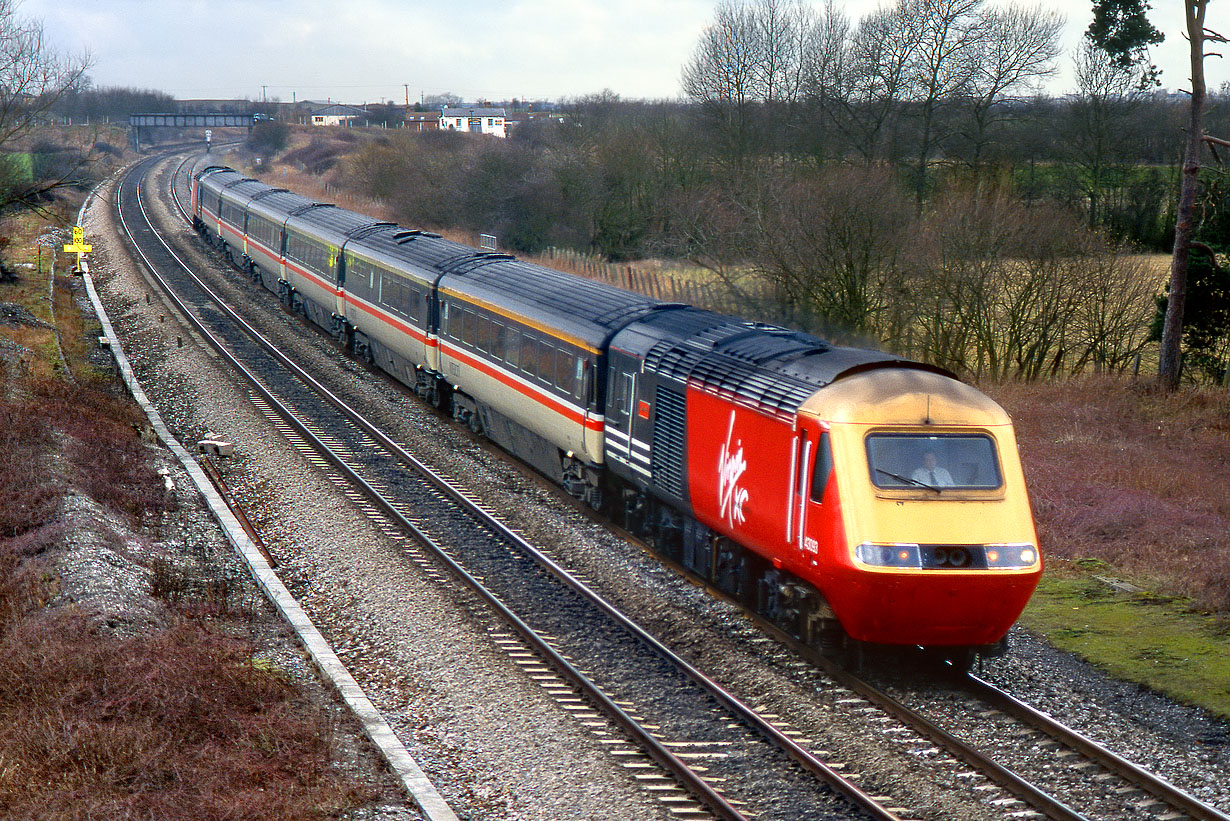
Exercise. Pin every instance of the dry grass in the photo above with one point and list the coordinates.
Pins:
(175, 723)
(1122, 473)
(178, 724)
(29, 493)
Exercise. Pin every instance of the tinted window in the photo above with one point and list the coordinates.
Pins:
(904, 460)
(565, 372)
(824, 467)
(264, 232)
(512, 347)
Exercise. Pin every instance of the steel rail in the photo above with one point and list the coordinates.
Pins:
(1158, 787)
(801, 755)
(691, 780)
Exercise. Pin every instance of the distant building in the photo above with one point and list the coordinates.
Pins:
(514, 120)
(474, 120)
(423, 120)
(337, 115)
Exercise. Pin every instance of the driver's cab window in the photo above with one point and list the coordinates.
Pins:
(933, 461)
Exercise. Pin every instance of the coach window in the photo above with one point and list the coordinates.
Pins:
(483, 331)
(512, 347)
(542, 361)
(444, 326)
(412, 301)
(529, 355)
(499, 339)
(568, 373)
(557, 372)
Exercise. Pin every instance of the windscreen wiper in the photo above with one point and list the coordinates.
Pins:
(908, 480)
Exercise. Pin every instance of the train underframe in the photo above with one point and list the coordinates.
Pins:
(791, 603)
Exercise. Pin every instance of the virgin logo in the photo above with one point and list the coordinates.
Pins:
(731, 467)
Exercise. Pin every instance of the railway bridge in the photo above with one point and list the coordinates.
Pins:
(137, 122)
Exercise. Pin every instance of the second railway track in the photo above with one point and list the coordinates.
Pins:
(649, 689)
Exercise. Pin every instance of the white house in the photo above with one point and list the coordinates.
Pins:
(336, 115)
(474, 120)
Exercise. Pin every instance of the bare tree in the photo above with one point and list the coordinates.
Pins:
(1176, 295)
(1017, 50)
(942, 64)
(750, 64)
(33, 78)
(1107, 96)
(866, 87)
(723, 75)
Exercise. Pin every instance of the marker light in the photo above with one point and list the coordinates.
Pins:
(1014, 556)
(889, 555)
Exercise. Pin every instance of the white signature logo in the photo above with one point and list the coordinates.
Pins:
(731, 467)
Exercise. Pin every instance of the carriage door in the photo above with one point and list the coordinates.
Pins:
(339, 309)
(621, 398)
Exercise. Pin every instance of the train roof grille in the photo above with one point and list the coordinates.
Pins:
(402, 237)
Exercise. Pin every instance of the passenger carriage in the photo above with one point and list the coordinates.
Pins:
(528, 343)
(390, 280)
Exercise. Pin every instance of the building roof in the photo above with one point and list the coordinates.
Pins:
(338, 110)
(472, 112)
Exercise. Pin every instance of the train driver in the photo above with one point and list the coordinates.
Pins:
(931, 473)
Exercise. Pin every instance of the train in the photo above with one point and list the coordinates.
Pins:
(852, 497)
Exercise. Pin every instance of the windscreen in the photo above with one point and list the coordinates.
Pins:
(933, 461)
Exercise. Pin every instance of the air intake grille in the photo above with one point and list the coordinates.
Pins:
(666, 458)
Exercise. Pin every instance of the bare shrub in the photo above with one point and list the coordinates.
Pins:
(181, 724)
(832, 243)
(29, 497)
(317, 157)
(1123, 474)
(1009, 291)
(1110, 322)
(108, 460)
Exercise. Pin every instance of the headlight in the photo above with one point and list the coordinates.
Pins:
(1011, 555)
(889, 555)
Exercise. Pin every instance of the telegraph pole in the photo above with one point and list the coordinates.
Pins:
(407, 87)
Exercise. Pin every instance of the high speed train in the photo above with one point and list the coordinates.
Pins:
(846, 494)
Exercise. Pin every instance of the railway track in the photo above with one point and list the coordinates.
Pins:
(566, 635)
(633, 680)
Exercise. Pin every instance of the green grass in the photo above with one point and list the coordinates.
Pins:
(1157, 641)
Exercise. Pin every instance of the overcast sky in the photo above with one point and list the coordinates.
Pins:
(377, 50)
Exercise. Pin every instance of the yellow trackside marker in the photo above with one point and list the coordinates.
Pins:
(78, 245)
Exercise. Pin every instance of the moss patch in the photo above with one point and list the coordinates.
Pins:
(1157, 641)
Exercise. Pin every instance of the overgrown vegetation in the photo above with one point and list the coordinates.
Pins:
(898, 179)
(1123, 474)
(182, 719)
